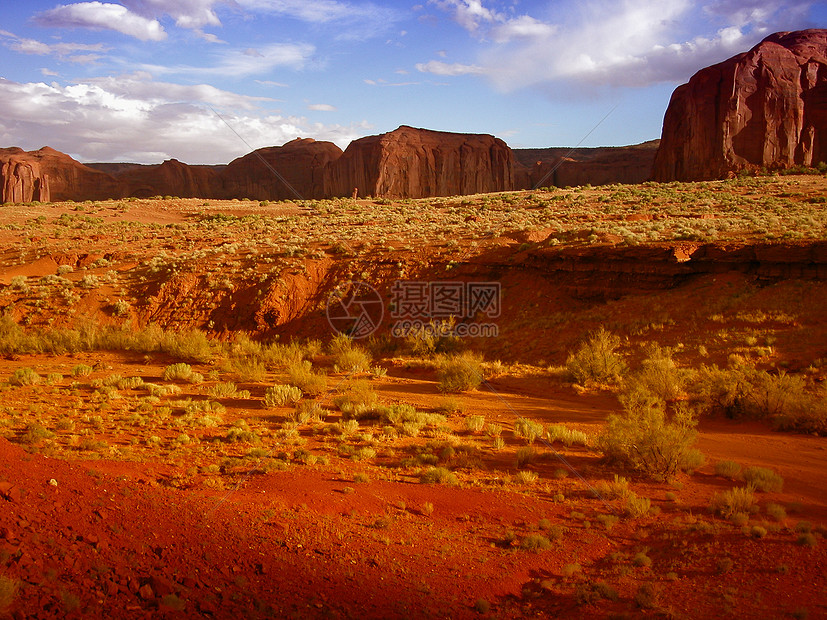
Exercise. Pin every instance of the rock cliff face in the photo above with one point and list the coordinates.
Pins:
(417, 163)
(581, 166)
(763, 108)
(301, 162)
(47, 174)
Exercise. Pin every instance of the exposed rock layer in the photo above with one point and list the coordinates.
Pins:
(763, 108)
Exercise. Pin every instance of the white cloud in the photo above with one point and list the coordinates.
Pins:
(321, 107)
(64, 51)
(194, 14)
(132, 118)
(571, 46)
(443, 68)
(102, 16)
(245, 62)
(352, 20)
(470, 14)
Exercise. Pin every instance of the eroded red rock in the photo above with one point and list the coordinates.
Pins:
(763, 108)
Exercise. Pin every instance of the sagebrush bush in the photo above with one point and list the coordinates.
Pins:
(182, 372)
(306, 379)
(282, 395)
(525, 456)
(358, 401)
(596, 360)
(474, 423)
(763, 479)
(636, 507)
(617, 488)
(525, 477)
(659, 375)
(25, 376)
(535, 542)
(568, 436)
(728, 503)
(528, 429)
(460, 373)
(728, 469)
(438, 475)
(644, 438)
(347, 356)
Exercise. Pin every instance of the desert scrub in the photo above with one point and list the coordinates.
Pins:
(644, 438)
(348, 357)
(596, 361)
(728, 469)
(528, 430)
(358, 401)
(776, 511)
(438, 475)
(81, 370)
(616, 488)
(474, 423)
(659, 375)
(282, 395)
(525, 478)
(459, 373)
(636, 507)
(182, 372)
(25, 376)
(535, 542)
(728, 503)
(568, 436)
(306, 379)
(763, 479)
(525, 456)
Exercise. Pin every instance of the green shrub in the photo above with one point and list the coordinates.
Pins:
(763, 479)
(596, 360)
(460, 373)
(303, 377)
(568, 436)
(645, 439)
(527, 429)
(358, 401)
(727, 503)
(182, 372)
(438, 475)
(641, 559)
(81, 370)
(348, 357)
(776, 511)
(525, 456)
(659, 375)
(617, 488)
(728, 469)
(282, 395)
(636, 507)
(525, 477)
(474, 423)
(535, 542)
(25, 376)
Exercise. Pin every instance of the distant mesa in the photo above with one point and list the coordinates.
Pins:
(404, 163)
(765, 108)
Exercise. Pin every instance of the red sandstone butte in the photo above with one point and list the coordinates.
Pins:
(764, 108)
(418, 163)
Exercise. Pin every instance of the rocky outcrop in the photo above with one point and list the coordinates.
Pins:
(23, 180)
(47, 174)
(273, 173)
(171, 178)
(563, 167)
(417, 163)
(763, 108)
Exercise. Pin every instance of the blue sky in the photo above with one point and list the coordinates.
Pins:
(148, 80)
